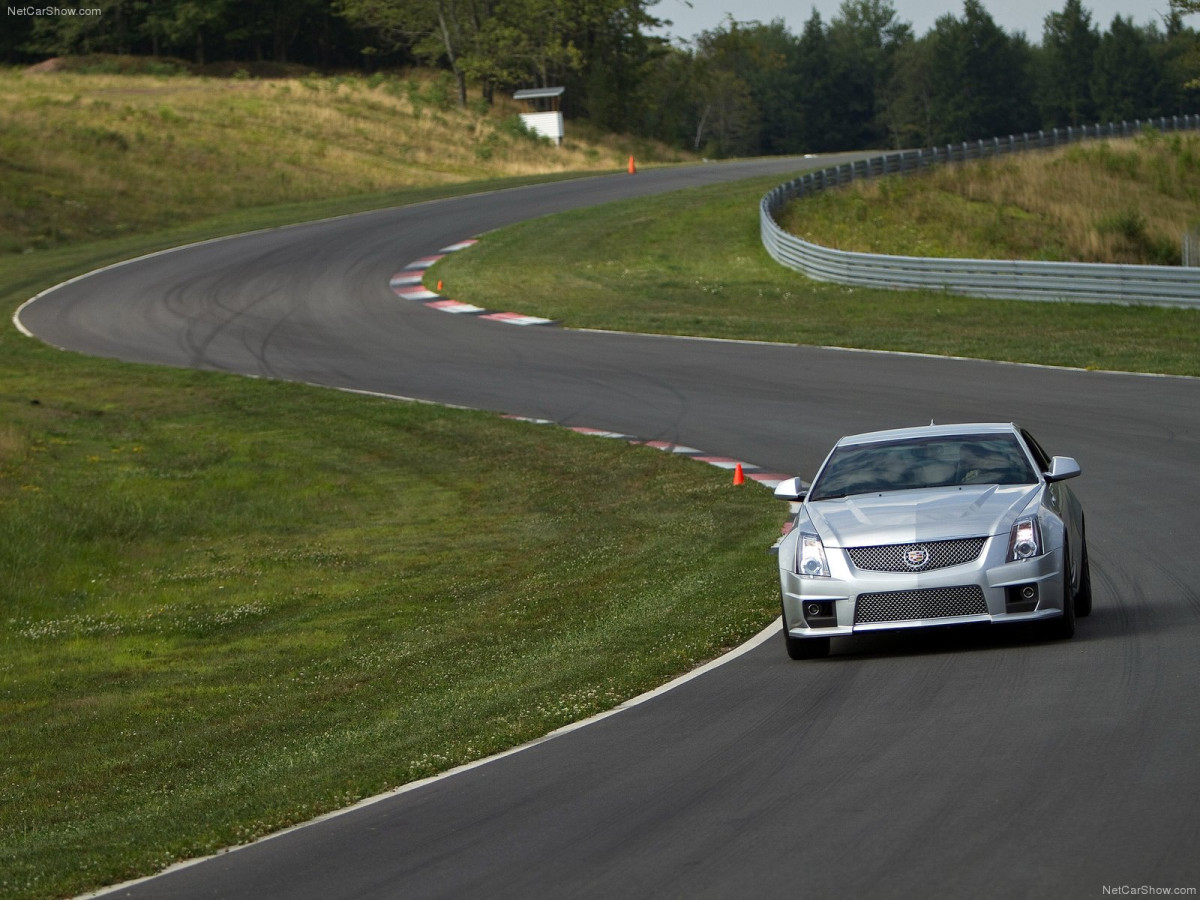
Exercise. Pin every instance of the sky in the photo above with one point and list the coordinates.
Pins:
(690, 17)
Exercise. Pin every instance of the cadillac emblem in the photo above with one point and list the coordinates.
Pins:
(916, 558)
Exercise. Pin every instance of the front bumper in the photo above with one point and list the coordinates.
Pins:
(1002, 585)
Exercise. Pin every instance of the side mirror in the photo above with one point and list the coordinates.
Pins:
(1062, 468)
(791, 489)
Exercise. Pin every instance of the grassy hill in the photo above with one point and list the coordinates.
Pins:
(1121, 201)
(85, 156)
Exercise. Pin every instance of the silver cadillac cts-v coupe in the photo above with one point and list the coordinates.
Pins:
(928, 527)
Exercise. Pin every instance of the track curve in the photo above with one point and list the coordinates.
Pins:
(929, 765)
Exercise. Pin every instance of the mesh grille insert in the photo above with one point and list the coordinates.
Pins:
(938, 555)
(928, 603)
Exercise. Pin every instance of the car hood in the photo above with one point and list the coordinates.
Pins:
(929, 514)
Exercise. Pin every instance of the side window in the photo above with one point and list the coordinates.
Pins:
(1040, 456)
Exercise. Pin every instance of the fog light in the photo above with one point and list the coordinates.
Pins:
(819, 614)
(1021, 598)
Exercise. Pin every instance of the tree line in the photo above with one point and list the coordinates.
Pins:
(862, 79)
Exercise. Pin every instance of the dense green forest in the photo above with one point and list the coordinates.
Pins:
(862, 79)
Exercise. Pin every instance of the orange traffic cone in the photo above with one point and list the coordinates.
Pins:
(439, 286)
(738, 477)
(632, 167)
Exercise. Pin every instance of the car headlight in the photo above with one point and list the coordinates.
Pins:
(1025, 539)
(810, 556)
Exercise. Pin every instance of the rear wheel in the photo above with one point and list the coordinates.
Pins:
(804, 648)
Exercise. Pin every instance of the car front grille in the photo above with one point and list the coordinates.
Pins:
(927, 603)
(938, 555)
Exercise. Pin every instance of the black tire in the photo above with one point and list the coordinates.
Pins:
(1063, 628)
(1083, 597)
(805, 648)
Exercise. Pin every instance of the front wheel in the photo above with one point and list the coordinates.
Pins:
(1063, 627)
(1083, 597)
(804, 648)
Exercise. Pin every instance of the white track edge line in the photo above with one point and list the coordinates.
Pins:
(912, 353)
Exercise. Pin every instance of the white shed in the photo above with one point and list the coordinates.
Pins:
(546, 118)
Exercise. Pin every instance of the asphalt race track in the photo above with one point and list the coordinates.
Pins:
(976, 764)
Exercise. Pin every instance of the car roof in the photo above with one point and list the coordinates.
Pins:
(928, 431)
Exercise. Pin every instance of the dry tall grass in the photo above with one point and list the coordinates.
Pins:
(89, 156)
(1125, 201)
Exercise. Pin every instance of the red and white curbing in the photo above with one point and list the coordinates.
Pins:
(457, 307)
(509, 318)
(409, 284)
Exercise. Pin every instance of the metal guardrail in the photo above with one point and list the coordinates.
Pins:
(1006, 279)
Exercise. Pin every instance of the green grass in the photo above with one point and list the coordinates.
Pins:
(693, 263)
(229, 605)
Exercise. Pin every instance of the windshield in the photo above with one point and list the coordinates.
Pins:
(923, 463)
